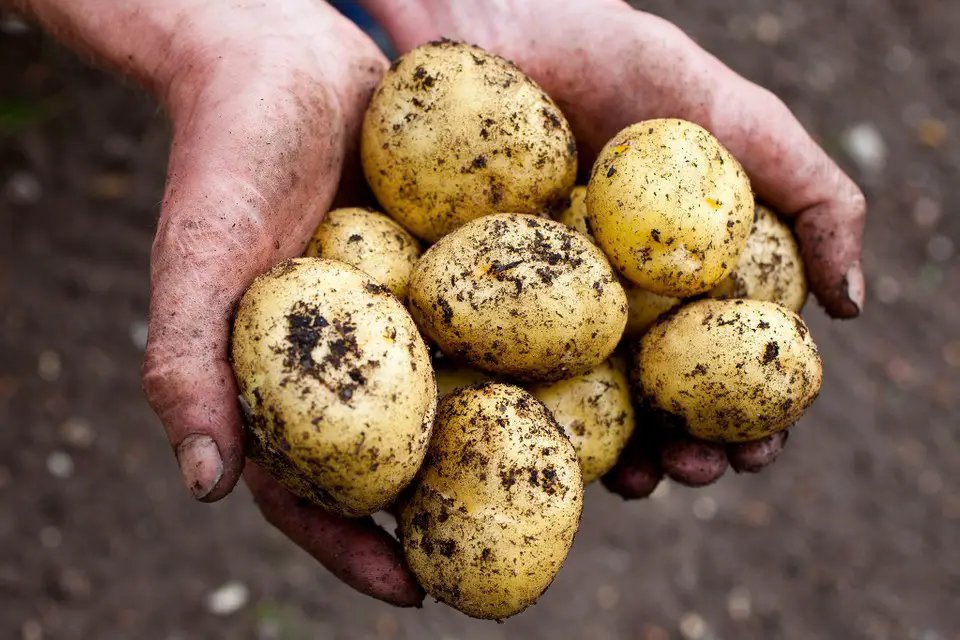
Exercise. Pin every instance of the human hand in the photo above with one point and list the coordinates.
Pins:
(608, 66)
(266, 101)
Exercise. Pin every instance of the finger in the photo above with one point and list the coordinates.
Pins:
(751, 457)
(693, 462)
(356, 551)
(635, 475)
(250, 175)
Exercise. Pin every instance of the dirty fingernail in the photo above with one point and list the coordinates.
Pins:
(855, 288)
(200, 464)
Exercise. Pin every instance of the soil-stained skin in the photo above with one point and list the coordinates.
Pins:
(454, 133)
(495, 508)
(729, 370)
(520, 296)
(670, 206)
(338, 381)
(369, 241)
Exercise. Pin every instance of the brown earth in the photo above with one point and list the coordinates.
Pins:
(853, 534)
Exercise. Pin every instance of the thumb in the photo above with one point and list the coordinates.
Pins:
(249, 178)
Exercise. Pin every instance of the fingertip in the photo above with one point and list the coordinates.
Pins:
(752, 457)
(693, 462)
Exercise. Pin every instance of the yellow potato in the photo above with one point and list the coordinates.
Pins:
(770, 267)
(452, 375)
(669, 206)
(494, 510)
(595, 412)
(521, 296)
(338, 383)
(730, 370)
(643, 307)
(369, 241)
(454, 133)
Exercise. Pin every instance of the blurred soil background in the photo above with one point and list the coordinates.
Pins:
(854, 533)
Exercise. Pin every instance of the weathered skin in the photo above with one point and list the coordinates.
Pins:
(266, 101)
(729, 370)
(670, 206)
(454, 133)
(369, 241)
(521, 296)
(770, 267)
(493, 512)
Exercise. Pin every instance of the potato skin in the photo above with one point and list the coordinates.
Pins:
(454, 133)
(643, 307)
(519, 296)
(770, 267)
(452, 375)
(670, 206)
(493, 512)
(369, 241)
(730, 370)
(338, 381)
(595, 412)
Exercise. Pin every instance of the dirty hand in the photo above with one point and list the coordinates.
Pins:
(608, 66)
(266, 101)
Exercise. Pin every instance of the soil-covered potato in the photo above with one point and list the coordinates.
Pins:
(494, 510)
(730, 370)
(670, 206)
(369, 241)
(519, 295)
(643, 307)
(770, 267)
(595, 412)
(338, 382)
(454, 133)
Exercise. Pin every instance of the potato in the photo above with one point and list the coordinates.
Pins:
(454, 133)
(521, 296)
(338, 383)
(595, 412)
(494, 510)
(643, 307)
(669, 206)
(770, 267)
(730, 370)
(369, 241)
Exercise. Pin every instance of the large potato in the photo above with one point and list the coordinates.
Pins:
(338, 382)
(643, 307)
(454, 133)
(595, 412)
(369, 241)
(494, 510)
(770, 267)
(730, 370)
(519, 295)
(670, 206)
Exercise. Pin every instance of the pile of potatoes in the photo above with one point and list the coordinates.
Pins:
(474, 356)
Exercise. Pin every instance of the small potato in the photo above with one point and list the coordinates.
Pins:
(521, 296)
(730, 370)
(369, 241)
(338, 382)
(454, 133)
(770, 267)
(669, 206)
(643, 307)
(595, 412)
(494, 510)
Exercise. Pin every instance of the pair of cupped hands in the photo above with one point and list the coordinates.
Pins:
(266, 101)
